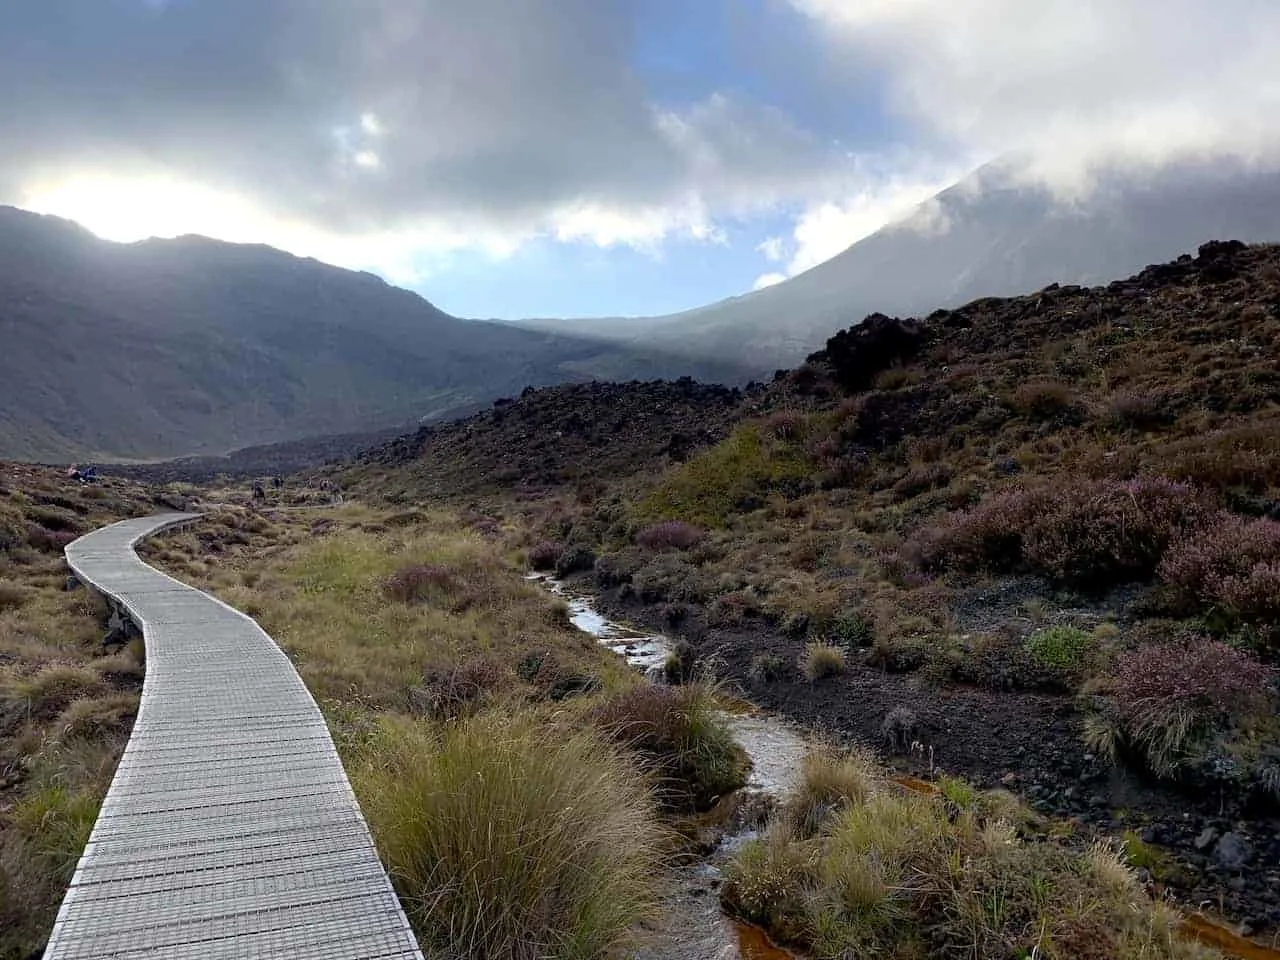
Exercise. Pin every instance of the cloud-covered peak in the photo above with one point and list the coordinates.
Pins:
(410, 135)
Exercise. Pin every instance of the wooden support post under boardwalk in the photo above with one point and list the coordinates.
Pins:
(230, 829)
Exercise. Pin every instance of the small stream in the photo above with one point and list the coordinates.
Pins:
(695, 925)
(776, 749)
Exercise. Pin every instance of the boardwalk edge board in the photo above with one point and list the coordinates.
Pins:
(230, 829)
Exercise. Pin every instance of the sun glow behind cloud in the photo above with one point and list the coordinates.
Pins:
(126, 209)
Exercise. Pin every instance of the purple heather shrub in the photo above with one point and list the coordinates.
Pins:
(417, 583)
(670, 535)
(1232, 563)
(545, 555)
(1205, 675)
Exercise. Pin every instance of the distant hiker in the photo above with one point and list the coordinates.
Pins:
(277, 481)
(258, 492)
(88, 475)
(73, 472)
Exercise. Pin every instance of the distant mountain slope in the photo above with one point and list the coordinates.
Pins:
(986, 236)
(191, 346)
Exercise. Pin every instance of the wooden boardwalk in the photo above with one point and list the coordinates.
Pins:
(230, 829)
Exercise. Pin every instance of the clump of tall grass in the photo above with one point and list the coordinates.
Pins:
(506, 843)
(876, 871)
(682, 739)
(822, 660)
(829, 782)
(50, 690)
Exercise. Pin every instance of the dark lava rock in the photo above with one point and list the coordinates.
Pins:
(567, 434)
(857, 354)
(1206, 838)
(1233, 852)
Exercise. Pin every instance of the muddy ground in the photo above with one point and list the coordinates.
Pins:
(1220, 852)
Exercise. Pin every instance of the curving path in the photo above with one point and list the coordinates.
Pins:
(230, 829)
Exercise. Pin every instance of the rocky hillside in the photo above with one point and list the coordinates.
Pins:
(585, 435)
(170, 348)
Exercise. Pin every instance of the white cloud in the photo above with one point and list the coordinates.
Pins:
(876, 193)
(1076, 84)
(768, 280)
(774, 249)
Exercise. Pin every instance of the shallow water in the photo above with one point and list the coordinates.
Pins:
(644, 651)
(776, 749)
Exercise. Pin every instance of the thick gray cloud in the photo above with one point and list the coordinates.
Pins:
(373, 116)
(1077, 85)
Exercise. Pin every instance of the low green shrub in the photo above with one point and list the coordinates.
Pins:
(767, 668)
(1060, 647)
(717, 483)
(852, 630)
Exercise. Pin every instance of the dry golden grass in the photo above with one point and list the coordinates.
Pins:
(465, 708)
(509, 840)
(886, 872)
(325, 600)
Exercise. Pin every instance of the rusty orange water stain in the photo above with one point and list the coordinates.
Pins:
(916, 785)
(1197, 926)
(754, 944)
(737, 706)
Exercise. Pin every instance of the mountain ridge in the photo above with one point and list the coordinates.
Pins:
(192, 346)
(991, 234)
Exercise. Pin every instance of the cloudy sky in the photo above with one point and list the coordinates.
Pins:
(513, 158)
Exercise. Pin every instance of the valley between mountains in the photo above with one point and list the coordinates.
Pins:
(1013, 567)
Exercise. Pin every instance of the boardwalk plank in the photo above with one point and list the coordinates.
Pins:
(230, 828)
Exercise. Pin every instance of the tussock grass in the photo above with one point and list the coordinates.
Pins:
(822, 660)
(99, 718)
(50, 690)
(829, 781)
(454, 599)
(892, 873)
(682, 740)
(12, 595)
(505, 842)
